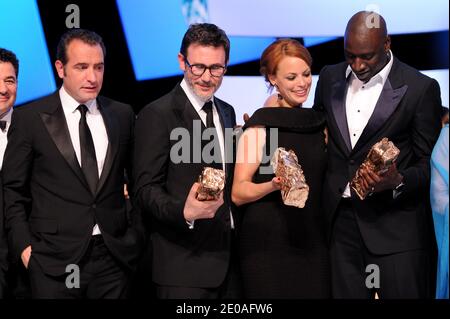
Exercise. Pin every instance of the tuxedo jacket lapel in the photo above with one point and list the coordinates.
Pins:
(226, 119)
(55, 122)
(113, 140)
(338, 93)
(185, 115)
(224, 115)
(184, 110)
(387, 103)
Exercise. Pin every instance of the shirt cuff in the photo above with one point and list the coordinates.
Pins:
(395, 194)
(398, 190)
(190, 224)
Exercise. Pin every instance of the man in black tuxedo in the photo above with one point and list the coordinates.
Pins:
(370, 96)
(63, 176)
(191, 239)
(9, 72)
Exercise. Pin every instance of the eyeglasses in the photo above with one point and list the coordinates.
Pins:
(215, 70)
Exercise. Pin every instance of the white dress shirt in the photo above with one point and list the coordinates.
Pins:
(4, 135)
(360, 103)
(96, 125)
(198, 105)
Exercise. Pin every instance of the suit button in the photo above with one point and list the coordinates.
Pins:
(94, 206)
(352, 162)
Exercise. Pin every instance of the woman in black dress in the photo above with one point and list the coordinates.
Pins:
(283, 251)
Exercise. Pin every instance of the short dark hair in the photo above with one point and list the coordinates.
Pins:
(87, 36)
(9, 56)
(206, 34)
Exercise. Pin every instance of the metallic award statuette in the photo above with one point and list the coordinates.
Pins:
(212, 183)
(380, 158)
(294, 190)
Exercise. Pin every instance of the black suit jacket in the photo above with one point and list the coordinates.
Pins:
(48, 204)
(3, 247)
(186, 257)
(408, 113)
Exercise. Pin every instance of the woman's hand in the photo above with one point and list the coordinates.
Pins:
(276, 183)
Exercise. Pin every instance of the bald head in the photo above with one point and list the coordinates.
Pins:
(365, 23)
(366, 44)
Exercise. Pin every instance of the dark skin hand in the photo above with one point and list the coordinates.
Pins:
(374, 183)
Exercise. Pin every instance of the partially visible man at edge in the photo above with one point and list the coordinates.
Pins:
(9, 73)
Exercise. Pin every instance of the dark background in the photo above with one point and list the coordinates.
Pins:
(424, 51)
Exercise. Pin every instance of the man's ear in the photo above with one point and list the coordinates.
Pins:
(387, 44)
(59, 68)
(181, 62)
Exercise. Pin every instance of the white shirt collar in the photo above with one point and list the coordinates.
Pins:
(196, 102)
(7, 116)
(380, 76)
(71, 105)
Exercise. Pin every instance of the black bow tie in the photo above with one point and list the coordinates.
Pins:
(3, 125)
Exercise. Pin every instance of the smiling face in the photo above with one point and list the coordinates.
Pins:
(83, 73)
(8, 87)
(205, 85)
(293, 80)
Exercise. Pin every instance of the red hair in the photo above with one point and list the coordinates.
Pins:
(275, 52)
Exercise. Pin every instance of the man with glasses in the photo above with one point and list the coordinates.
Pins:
(192, 240)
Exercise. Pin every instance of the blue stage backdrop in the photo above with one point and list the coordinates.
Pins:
(22, 33)
(152, 33)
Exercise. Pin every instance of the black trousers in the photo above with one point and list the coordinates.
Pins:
(18, 281)
(100, 277)
(401, 275)
(231, 288)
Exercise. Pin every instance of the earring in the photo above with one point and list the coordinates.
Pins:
(278, 92)
(276, 87)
